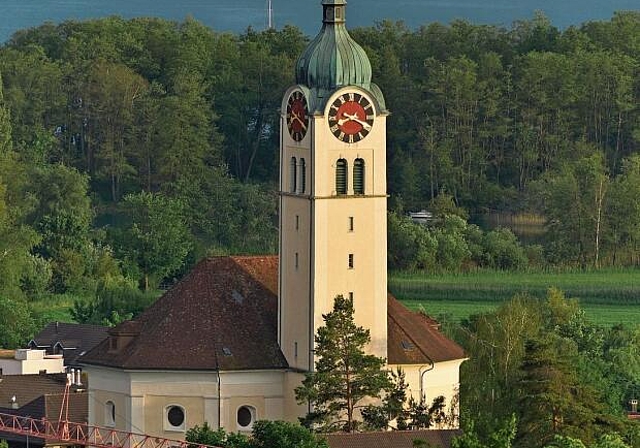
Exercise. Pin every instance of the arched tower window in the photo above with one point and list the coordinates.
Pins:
(292, 175)
(358, 176)
(341, 176)
(303, 176)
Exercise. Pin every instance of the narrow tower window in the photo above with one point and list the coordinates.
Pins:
(350, 261)
(303, 176)
(110, 414)
(297, 222)
(350, 223)
(341, 176)
(358, 176)
(292, 176)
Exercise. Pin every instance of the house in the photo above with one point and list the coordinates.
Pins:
(229, 343)
(392, 439)
(28, 361)
(68, 339)
(39, 396)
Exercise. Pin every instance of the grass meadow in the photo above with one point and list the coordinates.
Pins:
(608, 296)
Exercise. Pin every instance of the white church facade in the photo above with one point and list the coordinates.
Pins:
(230, 342)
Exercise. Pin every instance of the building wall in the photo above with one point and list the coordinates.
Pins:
(143, 398)
(431, 381)
(28, 362)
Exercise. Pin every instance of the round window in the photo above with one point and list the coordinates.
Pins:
(175, 415)
(245, 416)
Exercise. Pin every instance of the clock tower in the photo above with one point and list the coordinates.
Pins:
(333, 197)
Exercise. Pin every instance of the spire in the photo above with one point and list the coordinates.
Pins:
(333, 59)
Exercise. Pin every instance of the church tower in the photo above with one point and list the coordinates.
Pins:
(333, 197)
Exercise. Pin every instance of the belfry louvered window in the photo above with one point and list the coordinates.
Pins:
(341, 176)
(303, 176)
(292, 175)
(358, 176)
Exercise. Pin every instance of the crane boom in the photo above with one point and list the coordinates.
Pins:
(82, 434)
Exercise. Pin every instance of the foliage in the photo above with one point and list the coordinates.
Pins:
(545, 363)
(344, 375)
(265, 434)
(116, 300)
(16, 323)
(502, 437)
(156, 238)
(205, 435)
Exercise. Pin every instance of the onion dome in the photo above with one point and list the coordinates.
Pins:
(333, 59)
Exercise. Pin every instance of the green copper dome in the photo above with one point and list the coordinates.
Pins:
(333, 59)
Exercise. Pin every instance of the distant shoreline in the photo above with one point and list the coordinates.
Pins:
(238, 15)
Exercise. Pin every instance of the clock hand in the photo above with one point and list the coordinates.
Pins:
(295, 116)
(355, 118)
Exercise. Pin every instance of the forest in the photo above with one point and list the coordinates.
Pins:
(130, 149)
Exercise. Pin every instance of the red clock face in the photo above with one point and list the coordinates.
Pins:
(351, 117)
(297, 116)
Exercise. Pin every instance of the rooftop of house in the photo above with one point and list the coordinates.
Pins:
(392, 439)
(41, 395)
(223, 315)
(69, 339)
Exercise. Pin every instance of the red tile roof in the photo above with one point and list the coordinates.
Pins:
(414, 338)
(223, 316)
(392, 439)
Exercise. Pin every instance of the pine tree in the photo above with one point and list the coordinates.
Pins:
(344, 374)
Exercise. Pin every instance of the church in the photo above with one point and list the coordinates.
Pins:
(229, 343)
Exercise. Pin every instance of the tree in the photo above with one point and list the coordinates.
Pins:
(16, 323)
(265, 434)
(5, 123)
(268, 434)
(205, 435)
(344, 374)
(156, 237)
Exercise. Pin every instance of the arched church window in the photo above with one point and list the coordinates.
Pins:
(341, 176)
(292, 175)
(303, 176)
(358, 176)
(109, 414)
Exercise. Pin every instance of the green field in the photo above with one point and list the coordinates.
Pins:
(607, 296)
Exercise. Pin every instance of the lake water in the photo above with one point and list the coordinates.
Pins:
(237, 15)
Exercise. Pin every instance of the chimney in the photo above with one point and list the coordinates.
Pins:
(78, 377)
(634, 405)
(72, 376)
(14, 403)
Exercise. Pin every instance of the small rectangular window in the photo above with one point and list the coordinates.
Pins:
(351, 295)
(295, 349)
(350, 261)
(297, 260)
(350, 223)
(297, 222)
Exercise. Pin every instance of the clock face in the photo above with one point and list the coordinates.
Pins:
(351, 117)
(297, 115)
